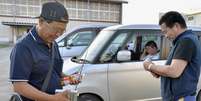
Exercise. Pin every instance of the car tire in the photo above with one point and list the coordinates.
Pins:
(88, 97)
(199, 96)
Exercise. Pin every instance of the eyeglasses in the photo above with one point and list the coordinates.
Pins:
(55, 29)
(165, 29)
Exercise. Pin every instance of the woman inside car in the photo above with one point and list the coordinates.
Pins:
(150, 51)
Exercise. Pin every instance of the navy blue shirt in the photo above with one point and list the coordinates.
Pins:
(186, 46)
(30, 61)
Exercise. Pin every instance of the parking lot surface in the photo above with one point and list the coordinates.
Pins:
(5, 85)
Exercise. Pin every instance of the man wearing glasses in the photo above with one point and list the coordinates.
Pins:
(31, 57)
(180, 75)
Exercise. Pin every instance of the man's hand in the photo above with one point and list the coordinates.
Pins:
(75, 81)
(71, 79)
(155, 75)
(146, 65)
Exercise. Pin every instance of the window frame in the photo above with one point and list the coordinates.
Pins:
(132, 33)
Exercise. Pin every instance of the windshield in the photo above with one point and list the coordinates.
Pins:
(113, 47)
(97, 45)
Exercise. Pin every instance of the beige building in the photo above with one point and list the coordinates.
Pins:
(16, 16)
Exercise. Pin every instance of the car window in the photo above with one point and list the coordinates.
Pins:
(114, 46)
(83, 38)
(61, 43)
(153, 39)
(135, 43)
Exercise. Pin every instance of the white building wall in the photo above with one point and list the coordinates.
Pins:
(11, 33)
(80, 12)
(194, 19)
(5, 31)
(197, 20)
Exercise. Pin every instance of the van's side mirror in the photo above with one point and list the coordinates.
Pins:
(124, 55)
(68, 47)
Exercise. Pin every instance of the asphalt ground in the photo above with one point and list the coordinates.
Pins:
(5, 85)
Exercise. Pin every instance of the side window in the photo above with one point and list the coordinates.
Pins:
(141, 45)
(156, 38)
(144, 45)
(151, 44)
(61, 43)
(83, 38)
(113, 47)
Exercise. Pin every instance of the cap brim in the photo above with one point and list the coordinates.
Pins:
(62, 20)
(37, 17)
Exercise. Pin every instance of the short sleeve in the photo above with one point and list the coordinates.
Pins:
(21, 63)
(184, 50)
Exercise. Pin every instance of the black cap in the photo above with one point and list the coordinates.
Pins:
(54, 11)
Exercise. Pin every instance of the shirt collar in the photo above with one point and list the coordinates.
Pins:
(180, 35)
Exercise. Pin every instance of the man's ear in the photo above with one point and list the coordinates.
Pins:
(177, 25)
(41, 21)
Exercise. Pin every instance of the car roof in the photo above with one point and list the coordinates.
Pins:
(145, 26)
(85, 26)
(94, 25)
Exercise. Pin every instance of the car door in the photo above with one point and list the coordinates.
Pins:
(128, 81)
(94, 81)
(77, 43)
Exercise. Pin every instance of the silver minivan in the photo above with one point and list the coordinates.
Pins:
(114, 73)
(75, 41)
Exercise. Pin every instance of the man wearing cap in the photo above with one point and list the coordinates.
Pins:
(31, 57)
